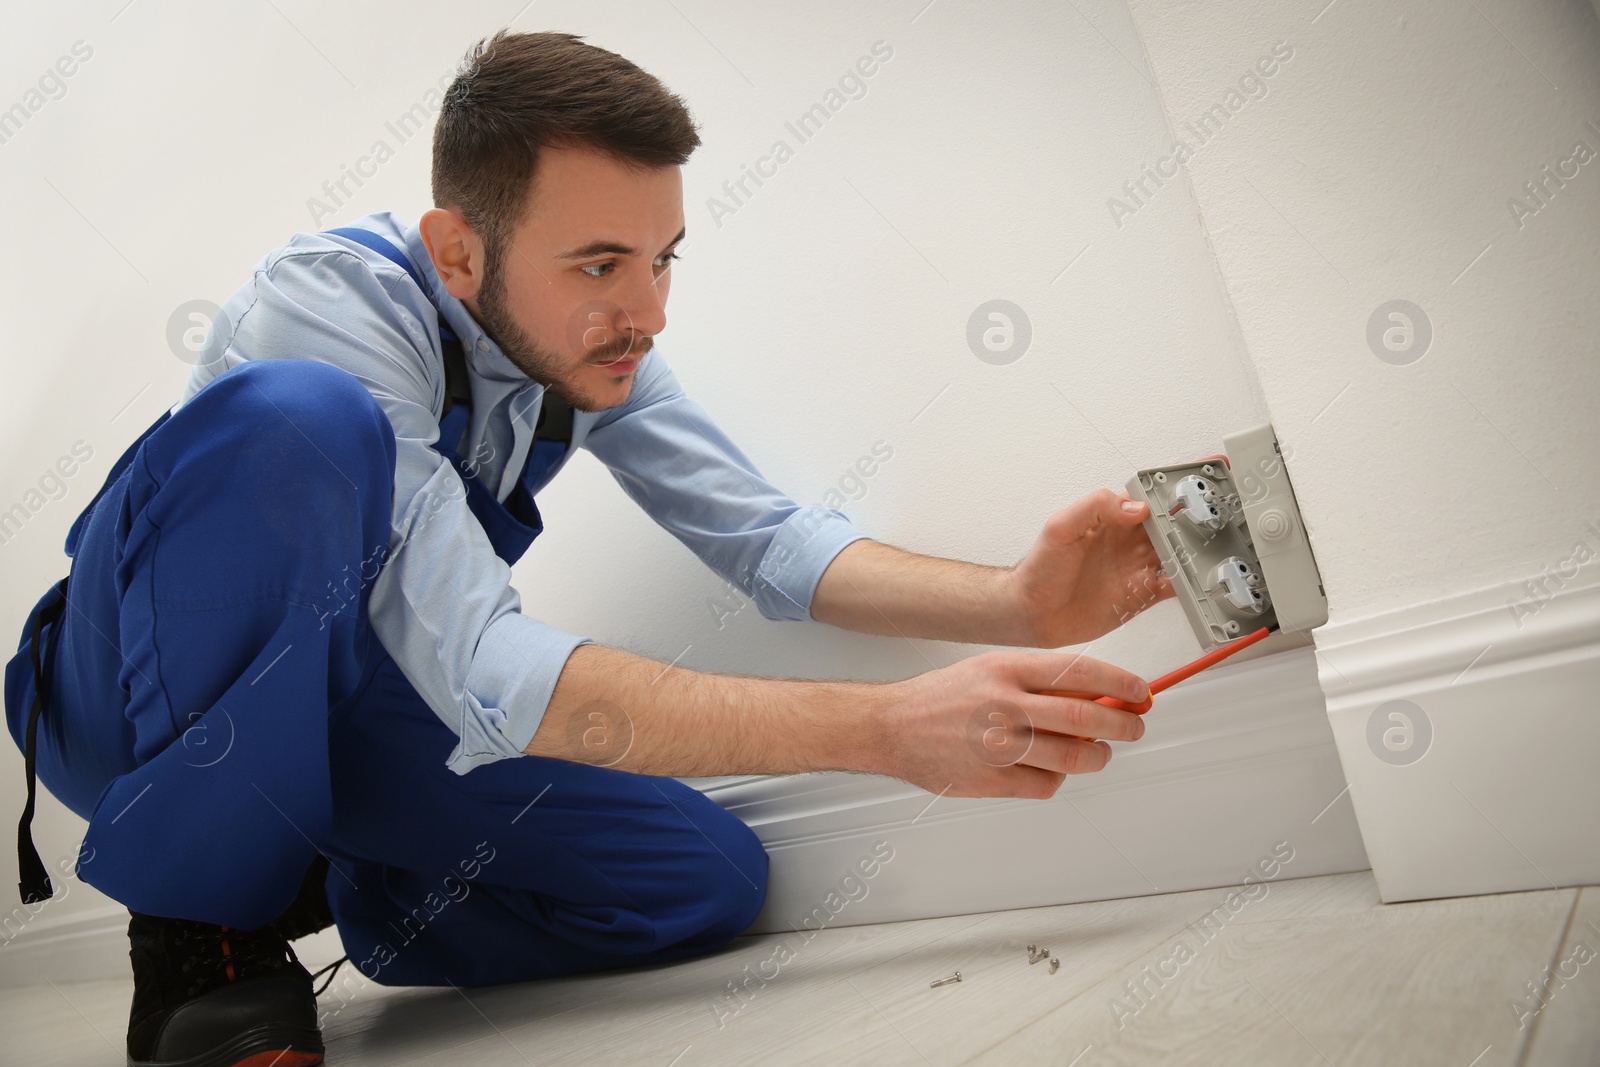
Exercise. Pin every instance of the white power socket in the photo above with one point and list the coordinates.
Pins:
(1230, 537)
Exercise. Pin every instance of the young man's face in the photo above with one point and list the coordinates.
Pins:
(582, 287)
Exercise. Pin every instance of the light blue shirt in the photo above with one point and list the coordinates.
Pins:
(442, 603)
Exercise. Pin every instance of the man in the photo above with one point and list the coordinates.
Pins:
(289, 684)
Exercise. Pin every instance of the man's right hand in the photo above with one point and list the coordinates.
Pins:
(982, 728)
(977, 728)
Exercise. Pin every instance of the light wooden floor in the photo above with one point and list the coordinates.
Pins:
(1316, 971)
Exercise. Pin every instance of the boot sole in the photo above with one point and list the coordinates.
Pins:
(263, 1046)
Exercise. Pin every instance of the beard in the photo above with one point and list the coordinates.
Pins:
(538, 361)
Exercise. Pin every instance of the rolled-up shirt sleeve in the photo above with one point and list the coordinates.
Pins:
(677, 464)
(442, 603)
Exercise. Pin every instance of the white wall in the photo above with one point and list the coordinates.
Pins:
(1378, 167)
(827, 313)
(1381, 165)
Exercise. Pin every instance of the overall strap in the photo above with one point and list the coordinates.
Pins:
(458, 388)
(35, 881)
(386, 248)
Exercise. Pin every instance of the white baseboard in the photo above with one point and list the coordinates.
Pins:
(1235, 761)
(1507, 794)
(82, 947)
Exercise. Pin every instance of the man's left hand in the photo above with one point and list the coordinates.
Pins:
(1091, 570)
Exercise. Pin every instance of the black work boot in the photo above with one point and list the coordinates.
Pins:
(213, 996)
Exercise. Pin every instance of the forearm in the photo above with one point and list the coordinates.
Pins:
(871, 587)
(617, 709)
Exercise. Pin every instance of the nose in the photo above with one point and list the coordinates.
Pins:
(642, 307)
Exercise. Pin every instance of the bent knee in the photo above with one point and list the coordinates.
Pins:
(733, 877)
(267, 444)
(291, 404)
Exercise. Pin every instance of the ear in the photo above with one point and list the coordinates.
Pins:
(456, 251)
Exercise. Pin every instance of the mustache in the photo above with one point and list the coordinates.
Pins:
(618, 349)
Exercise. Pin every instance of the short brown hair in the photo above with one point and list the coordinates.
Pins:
(515, 93)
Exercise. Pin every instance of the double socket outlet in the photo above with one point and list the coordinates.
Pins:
(1230, 537)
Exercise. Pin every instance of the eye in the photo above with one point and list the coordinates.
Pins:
(665, 259)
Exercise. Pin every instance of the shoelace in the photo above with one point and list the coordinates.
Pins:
(332, 971)
(221, 956)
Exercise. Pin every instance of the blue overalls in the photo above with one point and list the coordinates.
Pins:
(219, 717)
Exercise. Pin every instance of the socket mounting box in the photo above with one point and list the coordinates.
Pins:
(1230, 537)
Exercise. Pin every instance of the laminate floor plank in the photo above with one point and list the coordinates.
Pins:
(1405, 984)
(1566, 1025)
(1305, 971)
(64, 1024)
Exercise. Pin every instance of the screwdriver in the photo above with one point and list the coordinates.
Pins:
(1167, 681)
